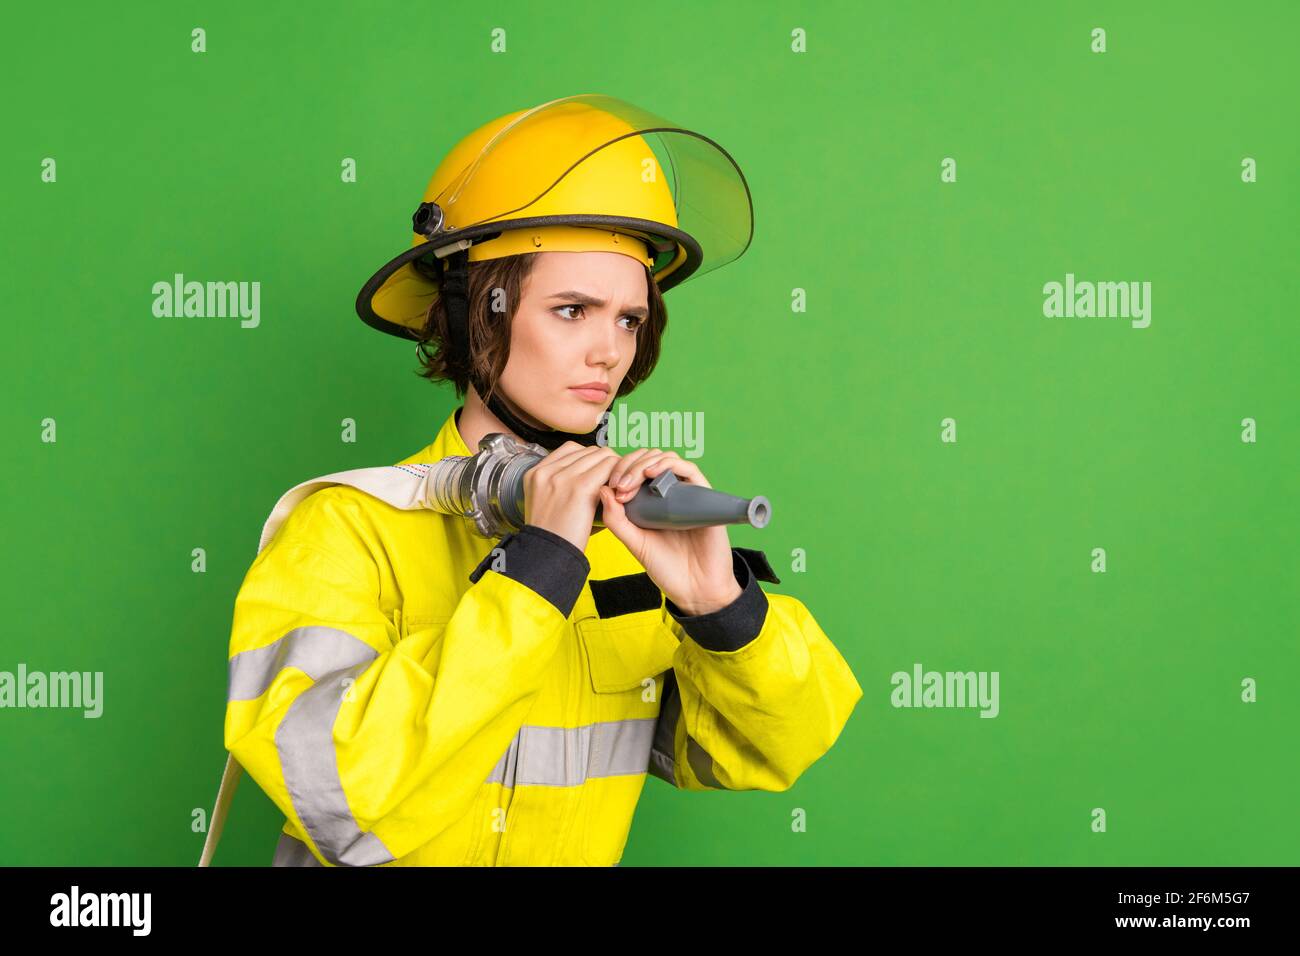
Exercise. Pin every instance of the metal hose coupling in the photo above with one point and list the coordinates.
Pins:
(488, 488)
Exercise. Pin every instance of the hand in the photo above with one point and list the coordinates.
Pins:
(561, 490)
(693, 567)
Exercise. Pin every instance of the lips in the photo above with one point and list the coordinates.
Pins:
(591, 393)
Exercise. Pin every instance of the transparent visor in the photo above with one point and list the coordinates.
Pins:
(523, 171)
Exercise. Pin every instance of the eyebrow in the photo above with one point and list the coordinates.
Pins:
(582, 298)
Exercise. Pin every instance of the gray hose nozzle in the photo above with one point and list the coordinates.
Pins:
(488, 488)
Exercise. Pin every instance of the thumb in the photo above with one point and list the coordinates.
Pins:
(612, 514)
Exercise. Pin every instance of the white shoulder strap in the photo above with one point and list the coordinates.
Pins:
(402, 486)
(225, 793)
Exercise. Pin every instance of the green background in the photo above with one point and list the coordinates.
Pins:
(924, 301)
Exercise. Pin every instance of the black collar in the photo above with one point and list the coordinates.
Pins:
(549, 438)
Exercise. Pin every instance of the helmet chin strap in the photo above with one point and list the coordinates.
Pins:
(549, 438)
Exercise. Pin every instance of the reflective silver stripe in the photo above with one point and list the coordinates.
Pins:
(553, 756)
(504, 772)
(620, 747)
(314, 650)
(305, 741)
(293, 852)
(567, 756)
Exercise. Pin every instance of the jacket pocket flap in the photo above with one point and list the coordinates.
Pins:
(623, 651)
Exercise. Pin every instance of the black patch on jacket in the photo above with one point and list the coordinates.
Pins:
(625, 594)
(757, 562)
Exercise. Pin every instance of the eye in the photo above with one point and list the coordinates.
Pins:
(559, 309)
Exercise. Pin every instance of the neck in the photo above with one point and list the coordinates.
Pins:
(478, 420)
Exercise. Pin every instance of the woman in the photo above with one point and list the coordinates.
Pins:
(409, 693)
(558, 345)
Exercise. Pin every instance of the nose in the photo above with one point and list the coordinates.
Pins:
(603, 349)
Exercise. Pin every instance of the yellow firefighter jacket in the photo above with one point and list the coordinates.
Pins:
(405, 703)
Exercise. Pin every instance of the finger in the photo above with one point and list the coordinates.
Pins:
(559, 456)
(635, 477)
(550, 466)
(593, 468)
(655, 464)
(679, 466)
(632, 476)
(626, 466)
(585, 452)
(614, 517)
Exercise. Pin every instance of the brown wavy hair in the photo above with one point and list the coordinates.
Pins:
(489, 331)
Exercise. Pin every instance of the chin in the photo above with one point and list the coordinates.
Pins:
(577, 420)
(579, 424)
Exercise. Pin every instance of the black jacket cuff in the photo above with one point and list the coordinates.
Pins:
(731, 627)
(546, 562)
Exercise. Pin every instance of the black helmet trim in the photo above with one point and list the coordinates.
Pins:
(451, 239)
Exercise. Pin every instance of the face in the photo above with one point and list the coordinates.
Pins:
(576, 324)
